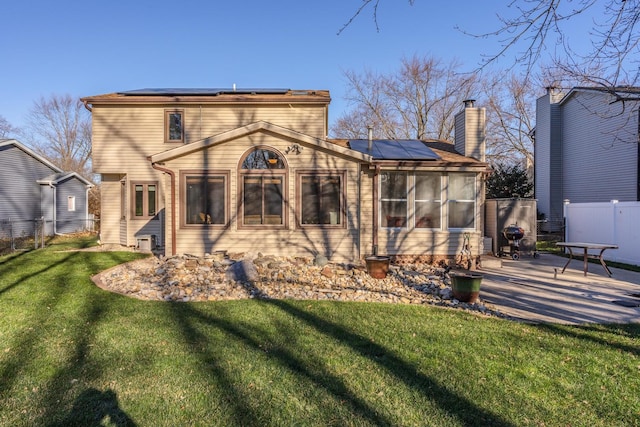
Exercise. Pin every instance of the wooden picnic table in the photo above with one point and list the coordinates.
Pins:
(586, 255)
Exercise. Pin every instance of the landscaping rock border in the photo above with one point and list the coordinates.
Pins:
(222, 276)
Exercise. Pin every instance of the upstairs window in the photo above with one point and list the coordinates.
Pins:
(174, 126)
(262, 178)
(393, 199)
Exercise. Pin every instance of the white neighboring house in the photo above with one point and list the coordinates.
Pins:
(586, 147)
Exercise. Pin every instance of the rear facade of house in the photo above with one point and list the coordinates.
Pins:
(205, 170)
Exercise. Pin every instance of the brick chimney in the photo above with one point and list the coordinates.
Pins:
(470, 131)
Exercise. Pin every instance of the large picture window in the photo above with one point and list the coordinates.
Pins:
(262, 178)
(321, 199)
(393, 199)
(145, 200)
(428, 200)
(461, 196)
(205, 198)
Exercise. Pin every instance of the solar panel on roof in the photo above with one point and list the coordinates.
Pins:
(400, 149)
(200, 91)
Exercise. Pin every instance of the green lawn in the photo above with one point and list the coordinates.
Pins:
(72, 354)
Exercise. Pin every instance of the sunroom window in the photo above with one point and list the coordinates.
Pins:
(428, 200)
(393, 199)
(263, 183)
(462, 191)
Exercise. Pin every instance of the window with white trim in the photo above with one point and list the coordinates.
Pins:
(428, 200)
(393, 199)
(71, 203)
(461, 200)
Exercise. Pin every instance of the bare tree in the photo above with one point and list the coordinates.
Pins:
(6, 129)
(60, 127)
(511, 119)
(418, 101)
(541, 32)
(610, 61)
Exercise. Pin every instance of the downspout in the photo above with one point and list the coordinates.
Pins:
(173, 204)
(55, 208)
(376, 172)
(86, 210)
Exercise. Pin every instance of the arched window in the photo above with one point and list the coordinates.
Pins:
(262, 177)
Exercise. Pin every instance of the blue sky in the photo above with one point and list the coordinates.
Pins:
(87, 48)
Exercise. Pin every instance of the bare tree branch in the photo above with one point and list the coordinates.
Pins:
(374, 4)
(418, 101)
(6, 129)
(61, 129)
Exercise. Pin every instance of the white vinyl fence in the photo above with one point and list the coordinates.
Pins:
(615, 223)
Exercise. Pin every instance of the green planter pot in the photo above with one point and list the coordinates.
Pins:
(466, 286)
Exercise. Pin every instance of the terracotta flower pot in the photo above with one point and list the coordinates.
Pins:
(466, 286)
(377, 266)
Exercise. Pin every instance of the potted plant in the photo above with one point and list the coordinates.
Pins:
(466, 286)
(377, 266)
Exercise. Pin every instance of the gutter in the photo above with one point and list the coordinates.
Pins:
(173, 204)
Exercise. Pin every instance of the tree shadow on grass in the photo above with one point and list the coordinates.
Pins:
(94, 408)
(250, 335)
(313, 370)
(616, 333)
(52, 297)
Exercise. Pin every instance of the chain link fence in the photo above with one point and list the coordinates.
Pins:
(550, 230)
(22, 235)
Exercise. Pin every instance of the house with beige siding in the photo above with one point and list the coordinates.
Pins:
(205, 170)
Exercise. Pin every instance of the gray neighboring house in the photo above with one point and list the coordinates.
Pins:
(31, 187)
(586, 147)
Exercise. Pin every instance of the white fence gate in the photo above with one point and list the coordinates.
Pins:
(615, 222)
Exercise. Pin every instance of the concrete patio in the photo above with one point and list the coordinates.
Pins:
(534, 290)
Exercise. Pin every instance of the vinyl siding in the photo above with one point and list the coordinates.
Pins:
(19, 191)
(71, 221)
(470, 133)
(110, 210)
(124, 137)
(415, 241)
(335, 243)
(600, 149)
(548, 156)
